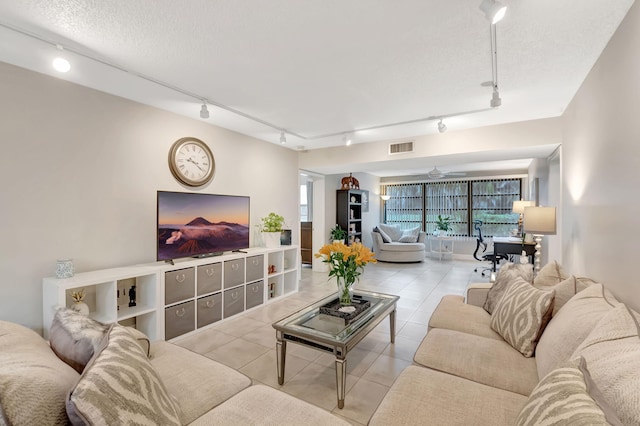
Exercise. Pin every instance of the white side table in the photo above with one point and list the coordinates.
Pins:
(440, 246)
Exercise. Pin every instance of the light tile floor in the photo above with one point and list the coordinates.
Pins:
(247, 343)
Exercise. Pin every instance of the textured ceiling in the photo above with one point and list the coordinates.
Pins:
(323, 67)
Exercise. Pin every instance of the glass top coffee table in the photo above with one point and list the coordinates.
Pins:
(308, 327)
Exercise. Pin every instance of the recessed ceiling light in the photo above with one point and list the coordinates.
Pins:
(61, 65)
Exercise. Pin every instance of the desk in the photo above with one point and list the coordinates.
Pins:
(512, 245)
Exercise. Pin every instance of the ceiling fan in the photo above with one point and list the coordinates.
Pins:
(436, 173)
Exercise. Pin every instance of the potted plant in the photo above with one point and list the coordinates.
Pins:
(271, 228)
(337, 234)
(443, 225)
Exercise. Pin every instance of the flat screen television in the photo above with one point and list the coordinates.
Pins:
(198, 225)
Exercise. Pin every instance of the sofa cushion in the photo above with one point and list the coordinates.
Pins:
(570, 326)
(565, 290)
(393, 232)
(402, 247)
(262, 405)
(410, 235)
(550, 274)
(421, 395)
(120, 386)
(453, 314)
(507, 274)
(33, 380)
(567, 395)
(74, 337)
(483, 360)
(196, 382)
(385, 238)
(612, 351)
(522, 314)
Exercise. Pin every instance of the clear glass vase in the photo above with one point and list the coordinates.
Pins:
(345, 291)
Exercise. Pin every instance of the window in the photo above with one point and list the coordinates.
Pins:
(404, 206)
(462, 201)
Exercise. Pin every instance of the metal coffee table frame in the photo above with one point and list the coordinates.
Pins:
(309, 328)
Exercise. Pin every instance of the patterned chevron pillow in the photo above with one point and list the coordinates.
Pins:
(567, 396)
(119, 386)
(522, 314)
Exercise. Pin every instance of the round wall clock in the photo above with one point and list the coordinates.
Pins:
(191, 161)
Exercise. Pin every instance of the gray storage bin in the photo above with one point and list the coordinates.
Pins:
(233, 272)
(209, 309)
(179, 319)
(255, 294)
(209, 278)
(179, 285)
(233, 301)
(255, 268)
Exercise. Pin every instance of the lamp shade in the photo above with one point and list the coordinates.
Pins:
(518, 206)
(385, 197)
(540, 220)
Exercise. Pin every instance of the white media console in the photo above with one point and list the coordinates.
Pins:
(175, 300)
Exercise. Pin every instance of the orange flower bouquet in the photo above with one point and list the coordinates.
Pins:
(346, 263)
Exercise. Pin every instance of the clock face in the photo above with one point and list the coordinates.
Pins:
(191, 161)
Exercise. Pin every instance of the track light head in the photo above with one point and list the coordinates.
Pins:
(204, 112)
(441, 126)
(283, 138)
(347, 139)
(493, 10)
(495, 98)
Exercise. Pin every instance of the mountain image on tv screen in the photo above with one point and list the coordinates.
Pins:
(195, 225)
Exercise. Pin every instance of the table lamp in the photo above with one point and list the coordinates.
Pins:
(518, 207)
(539, 221)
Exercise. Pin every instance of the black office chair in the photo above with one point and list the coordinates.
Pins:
(494, 258)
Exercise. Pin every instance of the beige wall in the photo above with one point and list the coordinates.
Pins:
(600, 174)
(79, 173)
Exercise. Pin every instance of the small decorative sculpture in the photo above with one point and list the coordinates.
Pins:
(349, 182)
(132, 296)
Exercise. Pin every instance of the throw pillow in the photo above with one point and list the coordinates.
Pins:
(521, 315)
(74, 337)
(550, 274)
(393, 231)
(507, 274)
(612, 350)
(570, 326)
(410, 235)
(565, 290)
(385, 237)
(567, 396)
(33, 380)
(119, 386)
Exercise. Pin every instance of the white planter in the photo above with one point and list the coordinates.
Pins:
(271, 239)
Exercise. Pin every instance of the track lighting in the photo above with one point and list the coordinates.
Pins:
(495, 98)
(441, 126)
(61, 64)
(347, 139)
(204, 112)
(493, 10)
(283, 138)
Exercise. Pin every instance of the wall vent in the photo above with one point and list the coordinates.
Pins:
(400, 147)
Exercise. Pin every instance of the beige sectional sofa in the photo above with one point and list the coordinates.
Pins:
(466, 373)
(130, 381)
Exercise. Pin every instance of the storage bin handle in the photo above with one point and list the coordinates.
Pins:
(255, 262)
(179, 279)
(254, 288)
(235, 266)
(209, 271)
(180, 312)
(210, 303)
(235, 294)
